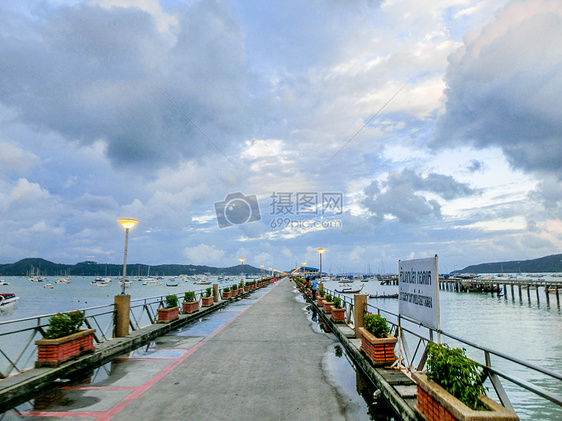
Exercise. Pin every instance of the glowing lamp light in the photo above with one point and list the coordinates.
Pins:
(128, 223)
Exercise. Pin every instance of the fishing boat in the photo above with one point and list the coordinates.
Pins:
(7, 300)
(383, 295)
(349, 290)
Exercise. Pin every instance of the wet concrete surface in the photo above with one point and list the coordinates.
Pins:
(130, 386)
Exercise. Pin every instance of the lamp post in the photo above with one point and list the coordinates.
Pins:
(127, 224)
(320, 251)
(242, 269)
(261, 271)
(303, 268)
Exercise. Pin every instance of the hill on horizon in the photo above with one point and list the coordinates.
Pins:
(552, 263)
(90, 268)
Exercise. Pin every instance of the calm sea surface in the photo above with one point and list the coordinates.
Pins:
(526, 328)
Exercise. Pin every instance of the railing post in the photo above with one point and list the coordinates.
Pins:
(122, 308)
(216, 293)
(359, 304)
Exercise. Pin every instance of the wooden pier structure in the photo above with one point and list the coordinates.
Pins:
(504, 286)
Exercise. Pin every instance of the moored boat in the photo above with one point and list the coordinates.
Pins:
(383, 295)
(349, 290)
(3, 282)
(7, 300)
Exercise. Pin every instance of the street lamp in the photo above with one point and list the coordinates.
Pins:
(261, 271)
(242, 269)
(127, 224)
(320, 251)
(303, 267)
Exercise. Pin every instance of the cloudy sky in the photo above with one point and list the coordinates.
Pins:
(377, 129)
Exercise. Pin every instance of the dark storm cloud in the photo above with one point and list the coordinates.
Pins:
(504, 87)
(91, 74)
(400, 195)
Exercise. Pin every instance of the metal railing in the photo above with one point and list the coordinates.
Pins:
(414, 336)
(18, 351)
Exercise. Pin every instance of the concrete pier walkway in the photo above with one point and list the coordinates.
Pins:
(258, 359)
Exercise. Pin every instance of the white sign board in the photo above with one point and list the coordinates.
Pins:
(419, 290)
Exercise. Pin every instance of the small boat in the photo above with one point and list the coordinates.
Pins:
(62, 281)
(48, 286)
(172, 284)
(7, 300)
(99, 283)
(383, 295)
(152, 282)
(203, 282)
(3, 282)
(349, 290)
(127, 283)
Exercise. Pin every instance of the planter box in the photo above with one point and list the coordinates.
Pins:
(338, 315)
(53, 352)
(234, 293)
(379, 350)
(226, 295)
(320, 301)
(207, 301)
(166, 315)
(327, 306)
(189, 306)
(435, 404)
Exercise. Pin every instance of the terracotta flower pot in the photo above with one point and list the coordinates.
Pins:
(379, 350)
(53, 352)
(190, 306)
(338, 315)
(207, 301)
(320, 301)
(434, 404)
(327, 305)
(166, 315)
(226, 295)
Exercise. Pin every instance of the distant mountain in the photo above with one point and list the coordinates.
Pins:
(543, 264)
(89, 268)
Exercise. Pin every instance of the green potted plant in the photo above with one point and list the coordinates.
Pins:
(64, 340)
(452, 387)
(207, 299)
(170, 311)
(338, 312)
(189, 304)
(234, 290)
(327, 304)
(226, 294)
(321, 297)
(376, 341)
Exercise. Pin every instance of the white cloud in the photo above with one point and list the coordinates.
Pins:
(204, 254)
